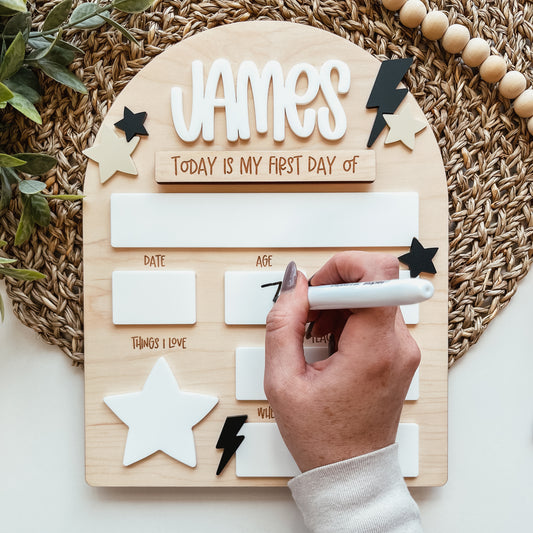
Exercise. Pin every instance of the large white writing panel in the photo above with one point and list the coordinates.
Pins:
(162, 297)
(265, 220)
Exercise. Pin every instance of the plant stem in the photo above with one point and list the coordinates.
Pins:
(96, 12)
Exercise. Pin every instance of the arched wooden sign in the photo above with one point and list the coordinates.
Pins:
(230, 154)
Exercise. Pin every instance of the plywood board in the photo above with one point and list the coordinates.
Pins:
(119, 358)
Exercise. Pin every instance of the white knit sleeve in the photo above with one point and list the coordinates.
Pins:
(366, 494)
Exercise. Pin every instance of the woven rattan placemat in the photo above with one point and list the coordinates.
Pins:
(486, 149)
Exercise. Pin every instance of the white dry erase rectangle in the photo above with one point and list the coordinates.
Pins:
(265, 220)
(263, 453)
(249, 296)
(161, 297)
(250, 371)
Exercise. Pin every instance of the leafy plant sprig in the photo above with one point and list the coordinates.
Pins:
(16, 273)
(24, 51)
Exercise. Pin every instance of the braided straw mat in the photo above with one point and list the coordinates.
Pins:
(486, 148)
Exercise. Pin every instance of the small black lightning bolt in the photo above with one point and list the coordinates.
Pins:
(228, 440)
(385, 96)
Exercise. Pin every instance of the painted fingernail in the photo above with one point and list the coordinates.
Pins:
(290, 277)
(331, 344)
(309, 330)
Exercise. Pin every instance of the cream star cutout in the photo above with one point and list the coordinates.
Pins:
(403, 127)
(113, 154)
(161, 417)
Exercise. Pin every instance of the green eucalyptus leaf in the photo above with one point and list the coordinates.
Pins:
(10, 161)
(57, 15)
(121, 29)
(31, 187)
(13, 58)
(14, 5)
(66, 196)
(21, 274)
(81, 17)
(26, 77)
(61, 74)
(5, 193)
(41, 53)
(21, 22)
(24, 106)
(5, 93)
(36, 164)
(26, 223)
(132, 6)
(40, 210)
(17, 87)
(2, 243)
(7, 261)
(10, 175)
(3, 105)
(65, 46)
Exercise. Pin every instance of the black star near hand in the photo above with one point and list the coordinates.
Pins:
(132, 124)
(419, 259)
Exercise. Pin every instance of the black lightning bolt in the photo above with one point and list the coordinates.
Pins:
(228, 440)
(385, 96)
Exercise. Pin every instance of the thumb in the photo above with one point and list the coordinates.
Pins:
(285, 330)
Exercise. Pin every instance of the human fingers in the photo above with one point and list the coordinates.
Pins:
(285, 330)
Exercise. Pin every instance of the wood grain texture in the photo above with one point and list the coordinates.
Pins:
(206, 365)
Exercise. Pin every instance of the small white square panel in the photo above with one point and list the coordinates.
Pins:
(263, 453)
(250, 370)
(414, 389)
(249, 296)
(407, 439)
(158, 297)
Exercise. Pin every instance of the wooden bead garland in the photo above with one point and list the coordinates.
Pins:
(493, 69)
(412, 13)
(475, 52)
(434, 25)
(512, 85)
(455, 38)
(523, 105)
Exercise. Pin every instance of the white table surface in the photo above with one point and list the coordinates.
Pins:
(42, 486)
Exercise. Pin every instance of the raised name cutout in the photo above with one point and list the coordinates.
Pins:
(154, 297)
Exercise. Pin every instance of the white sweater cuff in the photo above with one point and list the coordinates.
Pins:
(365, 494)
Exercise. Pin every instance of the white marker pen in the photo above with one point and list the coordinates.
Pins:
(370, 294)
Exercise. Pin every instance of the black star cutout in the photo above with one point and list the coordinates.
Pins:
(419, 259)
(132, 124)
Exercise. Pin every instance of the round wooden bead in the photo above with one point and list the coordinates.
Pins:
(523, 105)
(512, 85)
(530, 125)
(493, 69)
(455, 38)
(434, 25)
(393, 5)
(412, 13)
(475, 52)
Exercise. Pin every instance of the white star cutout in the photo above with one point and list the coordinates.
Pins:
(161, 417)
(113, 154)
(403, 127)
